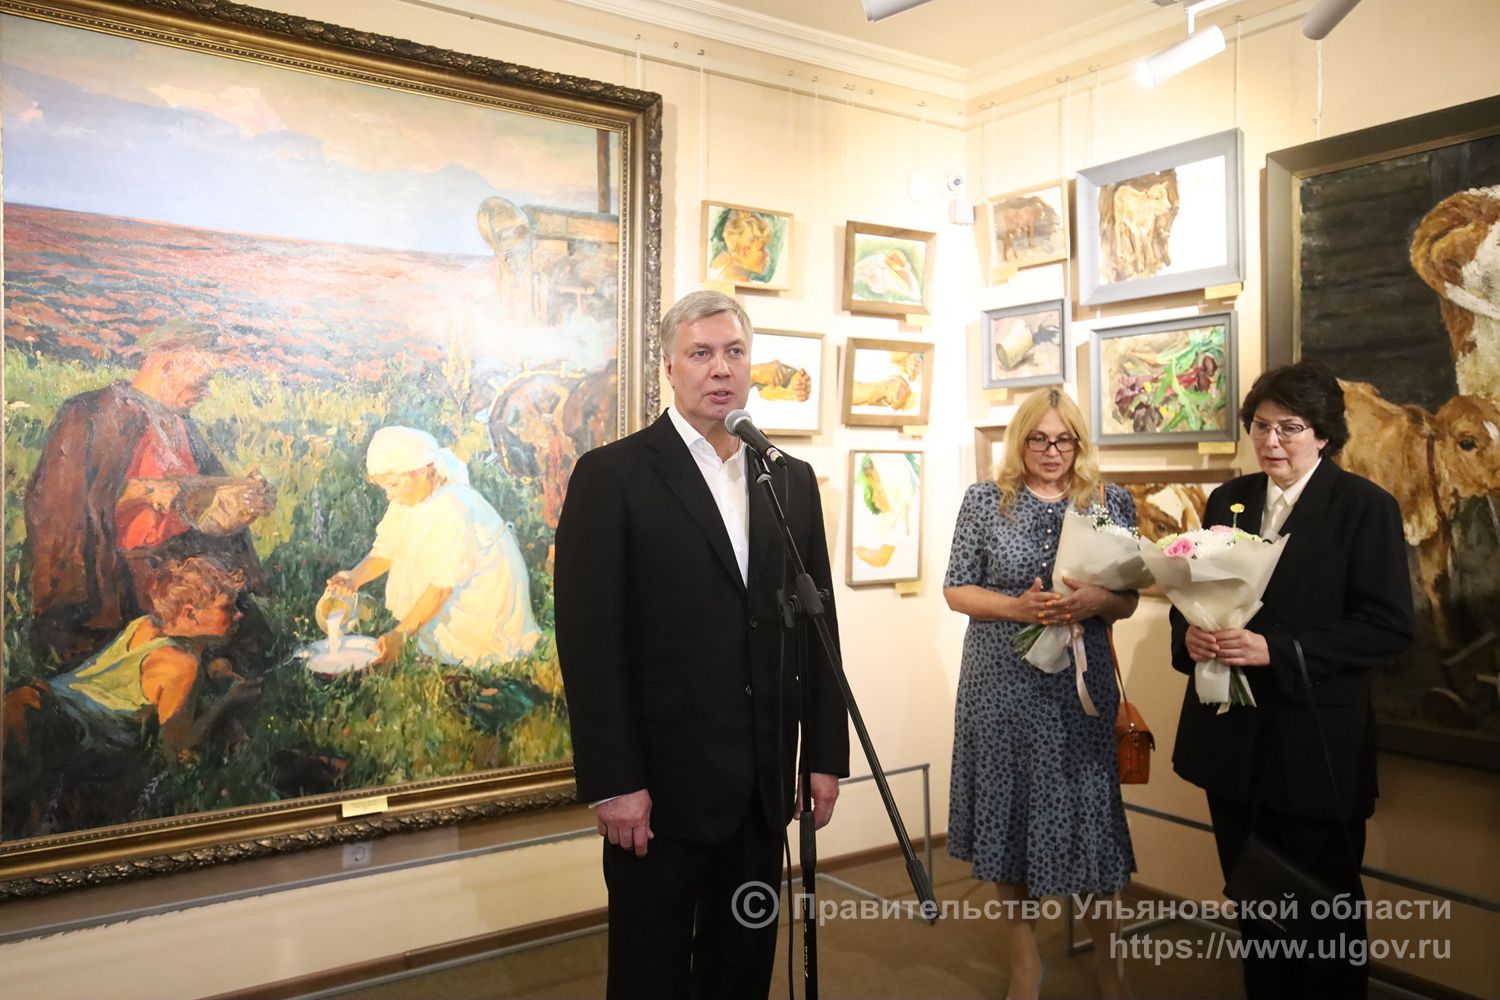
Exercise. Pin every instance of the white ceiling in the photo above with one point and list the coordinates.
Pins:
(944, 56)
(969, 34)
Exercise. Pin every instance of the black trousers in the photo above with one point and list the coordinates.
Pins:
(1318, 846)
(681, 927)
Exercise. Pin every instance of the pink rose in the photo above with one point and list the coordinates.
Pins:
(1180, 549)
(1222, 529)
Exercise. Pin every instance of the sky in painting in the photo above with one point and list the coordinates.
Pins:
(97, 123)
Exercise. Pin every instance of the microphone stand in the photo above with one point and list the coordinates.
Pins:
(806, 603)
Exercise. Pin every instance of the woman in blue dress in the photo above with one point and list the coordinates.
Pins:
(1035, 801)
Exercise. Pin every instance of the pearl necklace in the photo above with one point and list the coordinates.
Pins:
(1045, 499)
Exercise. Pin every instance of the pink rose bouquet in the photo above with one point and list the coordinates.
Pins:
(1215, 577)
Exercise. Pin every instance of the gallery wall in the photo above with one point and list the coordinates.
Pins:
(827, 161)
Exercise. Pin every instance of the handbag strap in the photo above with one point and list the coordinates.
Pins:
(1333, 783)
(1109, 632)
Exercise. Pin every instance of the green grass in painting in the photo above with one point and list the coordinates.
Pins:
(417, 721)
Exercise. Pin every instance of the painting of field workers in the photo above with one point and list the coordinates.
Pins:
(296, 369)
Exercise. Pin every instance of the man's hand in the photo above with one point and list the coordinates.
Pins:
(825, 793)
(626, 821)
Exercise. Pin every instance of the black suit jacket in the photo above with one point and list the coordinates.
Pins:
(1341, 589)
(668, 659)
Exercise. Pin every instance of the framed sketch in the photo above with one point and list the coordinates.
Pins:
(1026, 345)
(1158, 383)
(887, 383)
(885, 517)
(1028, 228)
(887, 270)
(748, 247)
(1380, 262)
(296, 238)
(1162, 222)
(1169, 502)
(786, 382)
(989, 449)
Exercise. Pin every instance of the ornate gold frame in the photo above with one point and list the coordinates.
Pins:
(43, 865)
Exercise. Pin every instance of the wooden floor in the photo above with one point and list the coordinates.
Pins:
(955, 959)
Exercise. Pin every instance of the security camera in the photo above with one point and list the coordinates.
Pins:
(955, 182)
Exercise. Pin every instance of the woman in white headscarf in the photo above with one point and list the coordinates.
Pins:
(455, 579)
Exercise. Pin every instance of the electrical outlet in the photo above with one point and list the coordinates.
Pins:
(357, 855)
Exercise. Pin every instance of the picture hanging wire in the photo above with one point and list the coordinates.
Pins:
(1239, 25)
(1065, 167)
(1318, 110)
(639, 71)
(702, 128)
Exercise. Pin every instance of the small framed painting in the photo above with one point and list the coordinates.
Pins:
(786, 382)
(1166, 382)
(887, 270)
(989, 448)
(747, 247)
(887, 383)
(885, 517)
(1028, 228)
(1162, 222)
(1026, 345)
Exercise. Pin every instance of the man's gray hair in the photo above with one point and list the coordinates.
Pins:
(700, 305)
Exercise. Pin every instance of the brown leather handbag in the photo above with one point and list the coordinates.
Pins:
(1132, 736)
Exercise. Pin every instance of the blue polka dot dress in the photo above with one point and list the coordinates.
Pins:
(1035, 795)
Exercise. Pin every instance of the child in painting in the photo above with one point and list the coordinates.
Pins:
(455, 578)
(70, 740)
(746, 257)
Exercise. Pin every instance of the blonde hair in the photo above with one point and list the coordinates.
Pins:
(1012, 474)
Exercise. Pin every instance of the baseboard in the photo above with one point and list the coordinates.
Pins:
(418, 959)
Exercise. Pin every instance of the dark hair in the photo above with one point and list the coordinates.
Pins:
(1311, 391)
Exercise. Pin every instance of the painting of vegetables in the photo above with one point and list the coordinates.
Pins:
(1166, 381)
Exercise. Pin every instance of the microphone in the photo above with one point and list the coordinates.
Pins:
(739, 424)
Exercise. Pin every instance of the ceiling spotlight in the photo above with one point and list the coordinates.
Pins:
(1191, 51)
(1326, 16)
(879, 10)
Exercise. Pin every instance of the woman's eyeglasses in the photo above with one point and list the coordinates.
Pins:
(1286, 431)
(1040, 443)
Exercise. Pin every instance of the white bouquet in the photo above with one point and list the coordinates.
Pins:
(1215, 578)
(1090, 549)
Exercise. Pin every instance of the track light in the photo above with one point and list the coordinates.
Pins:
(879, 10)
(1325, 17)
(1191, 51)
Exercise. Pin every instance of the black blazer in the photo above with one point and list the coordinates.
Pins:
(1342, 589)
(669, 662)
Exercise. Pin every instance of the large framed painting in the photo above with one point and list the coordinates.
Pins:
(1166, 221)
(1168, 502)
(887, 271)
(786, 382)
(1028, 228)
(1026, 345)
(302, 339)
(749, 248)
(1381, 261)
(887, 383)
(1166, 382)
(885, 518)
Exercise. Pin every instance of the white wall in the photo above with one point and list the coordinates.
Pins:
(827, 162)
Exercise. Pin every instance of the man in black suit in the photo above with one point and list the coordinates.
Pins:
(682, 690)
(1342, 591)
